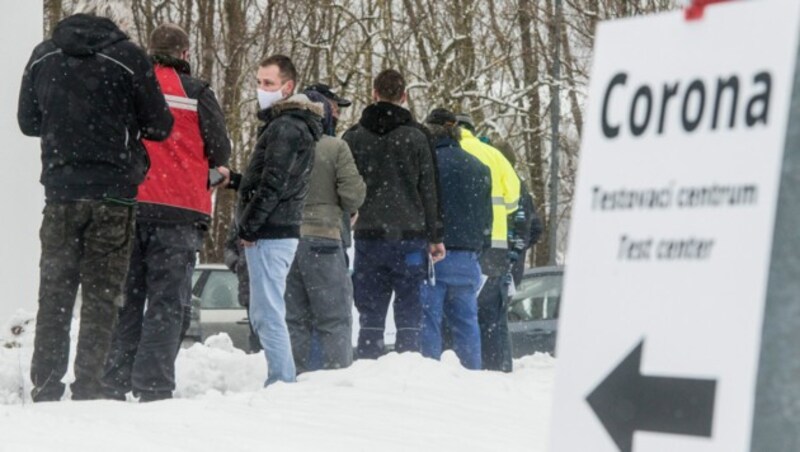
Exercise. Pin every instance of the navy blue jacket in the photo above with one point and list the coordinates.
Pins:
(466, 197)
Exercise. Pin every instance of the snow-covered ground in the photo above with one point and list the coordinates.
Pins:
(397, 403)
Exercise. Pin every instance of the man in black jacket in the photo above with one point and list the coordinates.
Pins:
(91, 95)
(174, 211)
(399, 223)
(271, 200)
(466, 197)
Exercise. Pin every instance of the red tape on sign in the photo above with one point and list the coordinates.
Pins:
(695, 10)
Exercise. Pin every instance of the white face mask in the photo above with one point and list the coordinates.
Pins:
(267, 98)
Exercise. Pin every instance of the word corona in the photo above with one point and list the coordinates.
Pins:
(650, 107)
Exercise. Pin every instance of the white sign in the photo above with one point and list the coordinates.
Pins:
(672, 230)
(21, 195)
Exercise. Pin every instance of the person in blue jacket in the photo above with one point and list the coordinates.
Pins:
(451, 292)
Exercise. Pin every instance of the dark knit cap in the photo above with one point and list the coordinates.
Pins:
(441, 116)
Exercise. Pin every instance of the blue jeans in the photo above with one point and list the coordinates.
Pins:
(268, 263)
(454, 297)
(380, 267)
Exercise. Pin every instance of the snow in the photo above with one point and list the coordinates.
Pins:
(397, 403)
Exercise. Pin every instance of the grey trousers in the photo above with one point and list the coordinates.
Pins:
(319, 300)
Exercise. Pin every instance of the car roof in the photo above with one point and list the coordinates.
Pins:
(211, 267)
(539, 271)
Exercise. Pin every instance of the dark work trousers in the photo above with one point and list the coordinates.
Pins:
(493, 311)
(319, 303)
(493, 322)
(380, 267)
(159, 287)
(86, 243)
(243, 275)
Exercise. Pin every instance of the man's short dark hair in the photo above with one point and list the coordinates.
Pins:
(168, 39)
(390, 85)
(285, 66)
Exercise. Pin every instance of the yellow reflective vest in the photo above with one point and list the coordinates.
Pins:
(505, 185)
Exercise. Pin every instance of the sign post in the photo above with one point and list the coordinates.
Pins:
(680, 329)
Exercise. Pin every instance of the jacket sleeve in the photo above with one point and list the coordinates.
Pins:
(519, 222)
(212, 128)
(530, 228)
(29, 116)
(487, 215)
(283, 139)
(152, 112)
(350, 185)
(511, 184)
(429, 189)
(536, 226)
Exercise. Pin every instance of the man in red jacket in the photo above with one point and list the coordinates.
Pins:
(174, 211)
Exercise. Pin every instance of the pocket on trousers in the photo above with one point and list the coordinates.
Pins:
(114, 224)
(52, 233)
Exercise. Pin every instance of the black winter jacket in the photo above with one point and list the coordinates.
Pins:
(466, 196)
(394, 156)
(91, 95)
(531, 229)
(274, 187)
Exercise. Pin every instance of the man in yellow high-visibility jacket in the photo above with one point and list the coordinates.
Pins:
(493, 299)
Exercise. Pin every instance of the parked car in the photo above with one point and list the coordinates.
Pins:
(533, 311)
(215, 306)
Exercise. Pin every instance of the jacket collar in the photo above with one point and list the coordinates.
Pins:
(178, 64)
(446, 142)
(298, 106)
(383, 117)
(466, 134)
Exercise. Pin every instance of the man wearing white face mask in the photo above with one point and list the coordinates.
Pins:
(271, 199)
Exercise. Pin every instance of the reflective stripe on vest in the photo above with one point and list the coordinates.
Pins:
(178, 175)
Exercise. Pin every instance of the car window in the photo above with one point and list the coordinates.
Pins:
(537, 298)
(195, 276)
(221, 291)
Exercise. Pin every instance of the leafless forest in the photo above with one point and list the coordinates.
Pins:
(492, 59)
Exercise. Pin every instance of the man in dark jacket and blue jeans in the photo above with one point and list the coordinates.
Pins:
(271, 200)
(399, 224)
(466, 198)
(91, 95)
(174, 211)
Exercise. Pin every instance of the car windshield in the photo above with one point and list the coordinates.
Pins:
(537, 298)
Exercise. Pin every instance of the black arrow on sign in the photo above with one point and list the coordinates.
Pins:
(627, 401)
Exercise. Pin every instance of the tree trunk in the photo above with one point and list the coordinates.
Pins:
(52, 14)
(533, 139)
(235, 24)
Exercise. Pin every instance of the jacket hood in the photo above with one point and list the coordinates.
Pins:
(84, 35)
(300, 107)
(383, 117)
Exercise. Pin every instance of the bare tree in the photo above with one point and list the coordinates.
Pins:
(491, 59)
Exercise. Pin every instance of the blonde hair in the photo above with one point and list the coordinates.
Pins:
(118, 11)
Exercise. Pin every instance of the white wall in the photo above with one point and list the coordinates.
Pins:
(21, 195)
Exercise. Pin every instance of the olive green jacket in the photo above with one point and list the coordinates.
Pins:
(335, 188)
